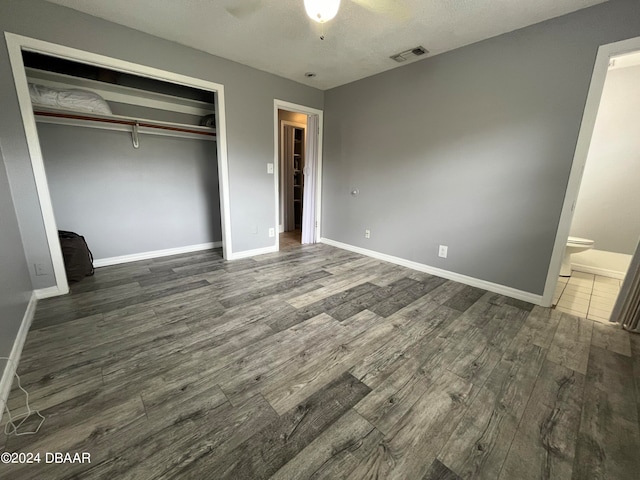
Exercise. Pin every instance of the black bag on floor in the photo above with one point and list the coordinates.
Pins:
(78, 260)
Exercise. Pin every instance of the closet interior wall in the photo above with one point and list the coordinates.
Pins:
(130, 202)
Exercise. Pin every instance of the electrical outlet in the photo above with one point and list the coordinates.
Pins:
(367, 233)
(272, 232)
(269, 167)
(442, 251)
(40, 269)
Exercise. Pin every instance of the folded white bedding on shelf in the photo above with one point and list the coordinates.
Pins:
(79, 100)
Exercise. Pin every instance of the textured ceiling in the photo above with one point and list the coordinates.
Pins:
(276, 35)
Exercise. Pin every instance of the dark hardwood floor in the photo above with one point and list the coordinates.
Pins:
(319, 363)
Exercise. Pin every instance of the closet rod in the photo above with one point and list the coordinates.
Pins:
(122, 122)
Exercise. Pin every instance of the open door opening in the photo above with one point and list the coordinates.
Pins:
(292, 141)
(614, 55)
(298, 157)
(605, 226)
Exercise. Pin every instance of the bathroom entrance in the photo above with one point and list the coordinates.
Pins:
(605, 228)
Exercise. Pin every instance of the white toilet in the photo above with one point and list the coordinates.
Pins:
(574, 245)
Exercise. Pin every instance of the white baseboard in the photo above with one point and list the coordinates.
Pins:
(601, 262)
(104, 262)
(10, 369)
(457, 277)
(48, 292)
(253, 253)
(603, 272)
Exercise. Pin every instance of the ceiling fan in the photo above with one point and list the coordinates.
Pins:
(322, 11)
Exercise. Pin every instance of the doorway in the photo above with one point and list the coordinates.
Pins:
(298, 157)
(18, 44)
(605, 227)
(591, 273)
(291, 164)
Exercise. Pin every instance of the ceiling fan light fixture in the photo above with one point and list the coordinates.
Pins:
(321, 10)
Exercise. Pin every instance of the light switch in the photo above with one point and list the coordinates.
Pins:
(270, 168)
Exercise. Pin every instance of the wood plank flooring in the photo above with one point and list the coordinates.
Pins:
(317, 363)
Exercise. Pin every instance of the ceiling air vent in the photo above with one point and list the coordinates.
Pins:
(409, 54)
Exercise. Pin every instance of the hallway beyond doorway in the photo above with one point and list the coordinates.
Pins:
(290, 239)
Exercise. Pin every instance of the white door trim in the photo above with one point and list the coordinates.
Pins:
(294, 107)
(605, 52)
(15, 45)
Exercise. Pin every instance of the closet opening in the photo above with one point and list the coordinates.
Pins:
(131, 158)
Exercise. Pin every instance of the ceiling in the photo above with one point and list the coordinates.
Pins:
(277, 36)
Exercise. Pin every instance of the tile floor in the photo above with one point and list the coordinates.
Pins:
(587, 295)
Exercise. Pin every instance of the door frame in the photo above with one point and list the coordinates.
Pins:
(18, 43)
(600, 69)
(294, 107)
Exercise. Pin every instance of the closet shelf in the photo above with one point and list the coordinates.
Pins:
(121, 94)
(116, 122)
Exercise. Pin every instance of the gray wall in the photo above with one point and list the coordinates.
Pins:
(125, 200)
(470, 149)
(607, 210)
(15, 285)
(249, 104)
